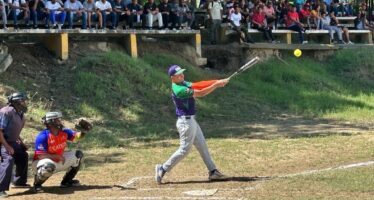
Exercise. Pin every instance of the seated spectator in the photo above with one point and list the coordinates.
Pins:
(326, 25)
(105, 9)
(235, 21)
(74, 10)
(152, 14)
(3, 14)
(259, 23)
(56, 13)
(305, 16)
(361, 22)
(37, 12)
(348, 8)
(270, 14)
(165, 10)
(134, 11)
(315, 15)
(19, 10)
(293, 23)
(89, 7)
(299, 5)
(282, 10)
(335, 22)
(119, 11)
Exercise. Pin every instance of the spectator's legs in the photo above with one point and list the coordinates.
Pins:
(84, 20)
(149, 20)
(70, 18)
(214, 30)
(165, 20)
(14, 16)
(4, 17)
(159, 19)
(52, 18)
(89, 17)
(103, 14)
(346, 34)
(34, 17)
(61, 17)
(339, 32)
(297, 28)
(113, 20)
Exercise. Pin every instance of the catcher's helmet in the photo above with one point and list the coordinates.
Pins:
(49, 118)
(16, 97)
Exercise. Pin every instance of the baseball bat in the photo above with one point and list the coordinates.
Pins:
(246, 66)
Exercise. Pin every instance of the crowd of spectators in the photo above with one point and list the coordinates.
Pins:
(297, 15)
(263, 15)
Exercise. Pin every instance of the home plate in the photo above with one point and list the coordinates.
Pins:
(209, 192)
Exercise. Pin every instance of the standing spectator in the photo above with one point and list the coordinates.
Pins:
(293, 23)
(105, 9)
(270, 14)
(75, 11)
(335, 22)
(50, 158)
(89, 7)
(165, 9)
(37, 12)
(13, 150)
(235, 20)
(152, 13)
(119, 11)
(259, 23)
(134, 11)
(326, 25)
(55, 12)
(215, 10)
(3, 14)
(19, 10)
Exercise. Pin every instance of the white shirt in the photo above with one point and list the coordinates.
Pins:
(53, 6)
(215, 8)
(73, 6)
(235, 18)
(18, 4)
(101, 6)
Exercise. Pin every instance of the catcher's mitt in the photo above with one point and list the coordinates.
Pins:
(83, 125)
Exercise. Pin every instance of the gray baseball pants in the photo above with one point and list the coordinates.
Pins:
(189, 134)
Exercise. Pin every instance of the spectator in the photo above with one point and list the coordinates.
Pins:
(3, 14)
(215, 11)
(37, 12)
(304, 15)
(19, 10)
(282, 9)
(361, 22)
(165, 9)
(105, 9)
(299, 4)
(152, 14)
(269, 13)
(315, 15)
(50, 158)
(55, 12)
(75, 11)
(293, 23)
(326, 25)
(235, 20)
(259, 23)
(89, 7)
(13, 150)
(335, 22)
(348, 8)
(119, 11)
(134, 11)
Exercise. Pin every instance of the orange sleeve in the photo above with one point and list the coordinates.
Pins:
(203, 84)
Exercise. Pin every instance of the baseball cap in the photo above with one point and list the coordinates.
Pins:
(175, 70)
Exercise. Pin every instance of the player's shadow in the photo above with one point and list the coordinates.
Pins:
(234, 179)
(61, 191)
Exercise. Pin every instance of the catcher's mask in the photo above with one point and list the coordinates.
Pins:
(53, 119)
(16, 100)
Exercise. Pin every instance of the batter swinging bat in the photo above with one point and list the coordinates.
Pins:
(246, 66)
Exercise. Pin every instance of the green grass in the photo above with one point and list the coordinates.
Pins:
(131, 97)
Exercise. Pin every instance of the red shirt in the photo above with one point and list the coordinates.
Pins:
(291, 17)
(304, 13)
(258, 18)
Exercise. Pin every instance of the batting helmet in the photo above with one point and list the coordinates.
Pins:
(50, 119)
(17, 96)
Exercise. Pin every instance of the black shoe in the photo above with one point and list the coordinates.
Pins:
(71, 183)
(38, 188)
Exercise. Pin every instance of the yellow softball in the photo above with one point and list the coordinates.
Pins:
(297, 52)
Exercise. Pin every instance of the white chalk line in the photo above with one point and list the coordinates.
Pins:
(164, 197)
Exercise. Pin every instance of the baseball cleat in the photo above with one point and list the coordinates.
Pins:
(71, 183)
(159, 171)
(216, 175)
(38, 188)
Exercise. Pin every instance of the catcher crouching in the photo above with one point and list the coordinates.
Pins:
(50, 158)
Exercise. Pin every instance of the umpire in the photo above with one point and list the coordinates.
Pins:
(13, 150)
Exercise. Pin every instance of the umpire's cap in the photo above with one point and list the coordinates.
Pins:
(17, 96)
